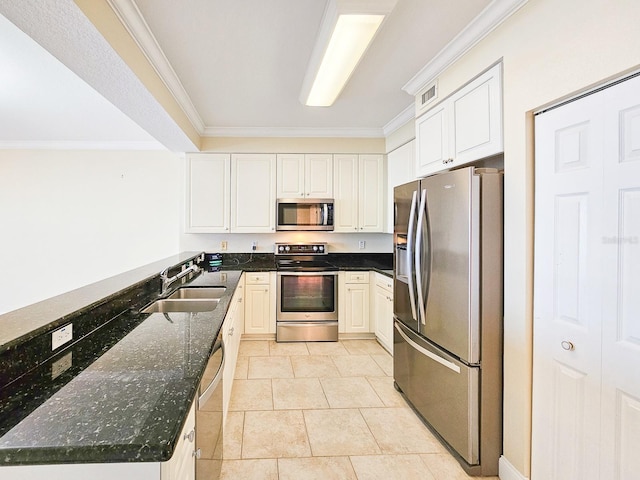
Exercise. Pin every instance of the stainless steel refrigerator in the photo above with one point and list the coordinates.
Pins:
(448, 301)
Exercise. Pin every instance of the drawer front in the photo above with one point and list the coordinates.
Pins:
(256, 278)
(385, 282)
(357, 277)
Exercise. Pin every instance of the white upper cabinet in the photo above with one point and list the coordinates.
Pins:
(253, 193)
(208, 199)
(305, 176)
(464, 127)
(401, 164)
(359, 193)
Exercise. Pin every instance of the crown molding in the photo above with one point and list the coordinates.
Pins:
(490, 18)
(132, 19)
(80, 145)
(293, 132)
(406, 115)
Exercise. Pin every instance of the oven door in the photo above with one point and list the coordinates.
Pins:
(307, 296)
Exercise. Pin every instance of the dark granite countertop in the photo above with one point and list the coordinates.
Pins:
(125, 394)
(122, 392)
(381, 262)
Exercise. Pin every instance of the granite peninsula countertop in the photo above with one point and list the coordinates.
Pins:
(126, 392)
(122, 392)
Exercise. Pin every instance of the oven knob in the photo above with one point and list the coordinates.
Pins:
(315, 248)
(321, 248)
(287, 248)
(281, 248)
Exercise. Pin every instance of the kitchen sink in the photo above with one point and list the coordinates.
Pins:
(182, 305)
(187, 293)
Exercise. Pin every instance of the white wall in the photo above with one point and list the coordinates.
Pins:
(239, 243)
(550, 49)
(70, 218)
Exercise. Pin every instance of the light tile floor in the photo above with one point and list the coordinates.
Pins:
(325, 411)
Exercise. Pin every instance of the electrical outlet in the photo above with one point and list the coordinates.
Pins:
(223, 245)
(61, 336)
(254, 246)
(361, 244)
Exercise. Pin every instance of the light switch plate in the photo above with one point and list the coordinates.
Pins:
(61, 336)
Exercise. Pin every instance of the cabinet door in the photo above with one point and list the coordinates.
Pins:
(371, 193)
(257, 313)
(291, 175)
(253, 193)
(318, 174)
(357, 308)
(232, 331)
(432, 140)
(182, 465)
(476, 118)
(383, 317)
(345, 187)
(400, 169)
(207, 202)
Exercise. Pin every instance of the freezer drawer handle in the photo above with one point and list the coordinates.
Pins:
(431, 355)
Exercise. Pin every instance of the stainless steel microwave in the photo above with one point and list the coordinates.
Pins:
(304, 214)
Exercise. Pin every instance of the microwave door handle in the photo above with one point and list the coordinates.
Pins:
(325, 214)
(418, 257)
(410, 253)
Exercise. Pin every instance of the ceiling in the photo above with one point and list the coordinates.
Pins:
(234, 67)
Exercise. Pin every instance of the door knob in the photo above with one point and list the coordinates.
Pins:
(567, 345)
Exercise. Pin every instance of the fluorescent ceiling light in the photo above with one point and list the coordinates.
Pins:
(347, 29)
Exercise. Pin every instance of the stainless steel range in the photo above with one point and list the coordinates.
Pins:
(307, 294)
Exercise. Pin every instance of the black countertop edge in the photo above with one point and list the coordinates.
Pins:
(125, 370)
(28, 322)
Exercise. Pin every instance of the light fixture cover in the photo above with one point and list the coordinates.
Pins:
(347, 28)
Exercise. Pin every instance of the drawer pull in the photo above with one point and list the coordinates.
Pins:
(231, 331)
(197, 453)
(191, 436)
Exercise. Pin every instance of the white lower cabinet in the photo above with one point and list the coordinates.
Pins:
(353, 302)
(182, 465)
(260, 307)
(382, 306)
(232, 330)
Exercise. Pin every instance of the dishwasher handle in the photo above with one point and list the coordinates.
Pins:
(209, 389)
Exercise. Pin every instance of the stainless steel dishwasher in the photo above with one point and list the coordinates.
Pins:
(209, 438)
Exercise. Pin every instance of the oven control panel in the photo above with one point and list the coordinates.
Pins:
(301, 248)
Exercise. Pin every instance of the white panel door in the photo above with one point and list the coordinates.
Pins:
(345, 187)
(290, 174)
(567, 326)
(208, 193)
(432, 140)
(253, 193)
(371, 193)
(318, 168)
(586, 399)
(620, 246)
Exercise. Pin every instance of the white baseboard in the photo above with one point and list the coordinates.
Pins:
(506, 471)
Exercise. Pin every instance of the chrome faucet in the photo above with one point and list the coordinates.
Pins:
(167, 281)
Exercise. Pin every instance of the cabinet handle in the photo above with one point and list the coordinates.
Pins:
(197, 453)
(191, 436)
(567, 345)
(240, 300)
(231, 331)
(266, 290)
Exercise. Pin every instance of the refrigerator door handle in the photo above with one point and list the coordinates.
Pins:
(418, 257)
(410, 252)
(424, 351)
